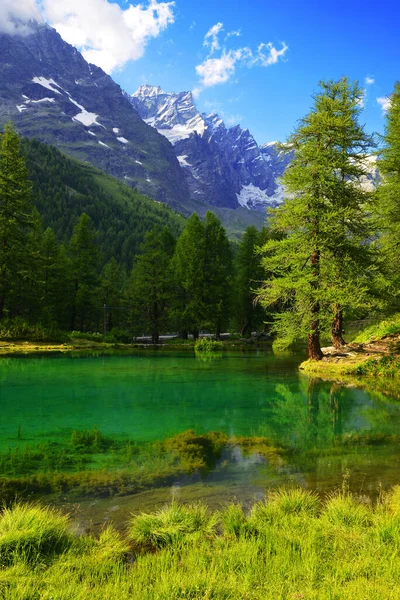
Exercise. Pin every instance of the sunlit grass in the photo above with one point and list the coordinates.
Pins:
(292, 546)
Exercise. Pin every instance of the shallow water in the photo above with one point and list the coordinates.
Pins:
(149, 396)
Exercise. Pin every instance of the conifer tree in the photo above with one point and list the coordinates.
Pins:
(150, 287)
(248, 276)
(320, 267)
(112, 289)
(55, 281)
(16, 219)
(84, 273)
(189, 277)
(218, 272)
(389, 192)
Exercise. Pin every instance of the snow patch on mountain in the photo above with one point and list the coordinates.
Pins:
(183, 162)
(252, 197)
(48, 84)
(85, 117)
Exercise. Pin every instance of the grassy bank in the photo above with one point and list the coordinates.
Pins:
(373, 355)
(291, 546)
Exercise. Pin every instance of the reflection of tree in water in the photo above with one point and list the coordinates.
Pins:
(310, 417)
(335, 396)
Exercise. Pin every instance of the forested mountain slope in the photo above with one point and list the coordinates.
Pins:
(64, 188)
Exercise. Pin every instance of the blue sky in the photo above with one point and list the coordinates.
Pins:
(325, 40)
(264, 88)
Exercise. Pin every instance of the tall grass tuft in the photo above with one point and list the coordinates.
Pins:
(342, 509)
(282, 503)
(234, 522)
(172, 524)
(32, 533)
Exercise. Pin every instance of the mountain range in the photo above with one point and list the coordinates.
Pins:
(155, 141)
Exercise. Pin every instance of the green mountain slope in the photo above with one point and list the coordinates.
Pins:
(64, 188)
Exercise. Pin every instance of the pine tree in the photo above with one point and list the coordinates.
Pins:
(321, 266)
(189, 277)
(84, 273)
(150, 287)
(55, 281)
(248, 276)
(218, 272)
(16, 220)
(112, 289)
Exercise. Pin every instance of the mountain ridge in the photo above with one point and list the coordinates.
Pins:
(223, 166)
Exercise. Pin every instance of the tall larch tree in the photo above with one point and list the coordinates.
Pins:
(389, 194)
(320, 266)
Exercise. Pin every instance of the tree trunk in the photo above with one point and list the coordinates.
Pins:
(195, 335)
(155, 337)
(337, 328)
(183, 335)
(218, 331)
(2, 308)
(246, 329)
(314, 344)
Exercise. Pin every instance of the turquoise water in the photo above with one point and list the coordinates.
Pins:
(151, 396)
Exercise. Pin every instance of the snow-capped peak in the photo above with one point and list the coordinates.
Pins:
(148, 90)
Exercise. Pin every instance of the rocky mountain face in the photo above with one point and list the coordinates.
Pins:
(224, 167)
(51, 93)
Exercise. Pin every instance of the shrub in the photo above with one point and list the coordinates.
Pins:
(207, 345)
(20, 330)
(32, 533)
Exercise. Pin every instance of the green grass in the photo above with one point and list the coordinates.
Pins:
(376, 331)
(387, 367)
(292, 546)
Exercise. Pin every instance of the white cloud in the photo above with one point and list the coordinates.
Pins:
(216, 70)
(385, 103)
(219, 70)
(15, 15)
(211, 39)
(369, 80)
(268, 55)
(107, 35)
(234, 33)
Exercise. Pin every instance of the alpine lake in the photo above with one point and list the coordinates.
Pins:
(103, 436)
